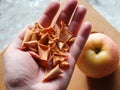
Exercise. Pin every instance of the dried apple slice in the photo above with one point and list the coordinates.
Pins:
(34, 55)
(65, 35)
(35, 36)
(57, 59)
(60, 45)
(58, 51)
(43, 51)
(71, 41)
(27, 37)
(64, 65)
(44, 39)
(31, 45)
(49, 30)
(51, 41)
(55, 72)
(36, 26)
(66, 48)
(57, 31)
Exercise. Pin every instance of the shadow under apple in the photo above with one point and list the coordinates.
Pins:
(111, 82)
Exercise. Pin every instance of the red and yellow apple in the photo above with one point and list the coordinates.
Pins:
(99, 57)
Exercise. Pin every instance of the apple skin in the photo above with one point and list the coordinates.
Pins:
(99, 57)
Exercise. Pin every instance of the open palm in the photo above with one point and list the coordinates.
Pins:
(23, 73)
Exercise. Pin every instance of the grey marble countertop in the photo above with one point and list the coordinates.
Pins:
(16, 14)
(109, 9)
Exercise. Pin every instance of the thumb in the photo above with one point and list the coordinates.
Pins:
(17, 42)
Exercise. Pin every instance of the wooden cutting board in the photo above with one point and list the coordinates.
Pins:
(79, 81)
(112, 82)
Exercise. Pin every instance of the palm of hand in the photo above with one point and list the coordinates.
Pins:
(21, 66)
(25, 72)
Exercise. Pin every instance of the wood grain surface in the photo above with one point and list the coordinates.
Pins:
(79, 81)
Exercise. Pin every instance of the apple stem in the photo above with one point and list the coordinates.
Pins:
(97, 50)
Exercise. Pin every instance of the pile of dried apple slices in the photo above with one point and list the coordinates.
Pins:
(49, 46)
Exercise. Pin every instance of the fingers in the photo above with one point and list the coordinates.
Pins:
(67, 12)
(49, 14)
(75, 52)
(82, 36)
(77, 19)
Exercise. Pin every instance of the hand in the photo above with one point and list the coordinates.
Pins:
(21, 70)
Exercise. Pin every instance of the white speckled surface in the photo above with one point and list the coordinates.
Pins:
(16, 14)
(109, 9)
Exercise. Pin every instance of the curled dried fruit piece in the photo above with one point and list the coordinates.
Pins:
(44, 51)
(31, 45)
(34, 55)
(55, 72)
(27, 36)
(43, 63)
(65, 35)
(35, 36)
(64, 65)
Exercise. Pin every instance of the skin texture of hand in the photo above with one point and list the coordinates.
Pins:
(21, 70)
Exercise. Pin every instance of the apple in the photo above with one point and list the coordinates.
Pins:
(99, 57)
